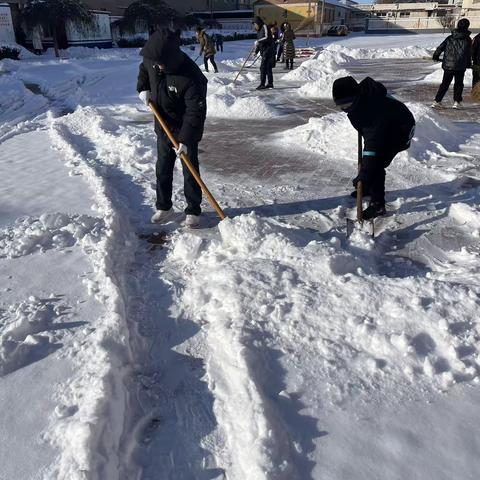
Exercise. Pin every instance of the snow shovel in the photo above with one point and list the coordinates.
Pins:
(244, 63)
(254, 62)
(352, 224)
(187, 162)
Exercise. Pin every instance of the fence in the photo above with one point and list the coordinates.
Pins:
(412, 25)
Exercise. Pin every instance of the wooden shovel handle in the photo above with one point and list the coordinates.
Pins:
(187, 162)
(360, 183)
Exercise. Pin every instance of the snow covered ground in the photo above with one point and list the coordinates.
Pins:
(268, 346)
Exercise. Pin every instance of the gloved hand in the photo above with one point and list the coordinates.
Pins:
(182, 148)
(361, 177)
(144, 97)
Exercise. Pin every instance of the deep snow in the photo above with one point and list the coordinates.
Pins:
(269, 347)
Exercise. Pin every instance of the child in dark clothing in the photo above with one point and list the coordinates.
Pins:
(386, 126)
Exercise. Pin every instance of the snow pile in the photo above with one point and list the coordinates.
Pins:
(379, 53)
(16, 102)
(50, 231)
(224, 100)
(96, 390)
(437, 75)
(278, 301)
(333, 135)
(319, 73)
(27, 332)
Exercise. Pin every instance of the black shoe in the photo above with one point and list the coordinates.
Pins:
(261, 87)
(216, 71)
(269, 86)
(374, 210)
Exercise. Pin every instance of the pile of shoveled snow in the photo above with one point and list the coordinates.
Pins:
(437, 75)
(319, 73)
(333, 135)
(225, 100)
(292, 319)
(50, 231)
(379, 53)
(16, 102)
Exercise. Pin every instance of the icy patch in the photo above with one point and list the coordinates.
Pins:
(50, 231)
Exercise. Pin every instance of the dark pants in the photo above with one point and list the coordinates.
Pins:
(164, 171)
(289, 62)
(373, 173)
(266, 69)
(280, 52)
(448, 76)
(219, 47)
(212, 61)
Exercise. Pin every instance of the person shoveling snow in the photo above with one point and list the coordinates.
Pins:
(265, 47)
(457, 57)
(176, 87)
(386, 126)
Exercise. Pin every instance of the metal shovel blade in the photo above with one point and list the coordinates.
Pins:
(364, 226)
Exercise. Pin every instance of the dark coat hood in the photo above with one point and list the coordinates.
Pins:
(370, 88)
(163, 47)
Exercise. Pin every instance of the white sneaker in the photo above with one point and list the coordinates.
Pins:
(192, 221)
(162, 216)
(457, 105)
(436, 104)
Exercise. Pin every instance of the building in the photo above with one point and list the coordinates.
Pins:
(306, 17)
(418, 17)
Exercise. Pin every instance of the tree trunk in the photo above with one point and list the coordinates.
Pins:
(55, 41)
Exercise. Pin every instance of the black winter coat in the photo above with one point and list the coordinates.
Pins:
(265, 42)
(385, 123)
(457, 51)
(476, 50)
(179, 92)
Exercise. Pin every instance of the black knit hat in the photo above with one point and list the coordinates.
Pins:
(345, 90)
(259, 22)
(463, 24)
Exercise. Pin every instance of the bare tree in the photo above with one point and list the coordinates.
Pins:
(446, 21)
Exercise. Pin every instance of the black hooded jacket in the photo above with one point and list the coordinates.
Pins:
(476, 50)
(457, 51)
(265, 42)
(179, 92)
(385, 123)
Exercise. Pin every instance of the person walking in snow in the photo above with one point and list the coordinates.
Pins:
(264, 46)
(281, 44)
(289, 37)
(219, 42)
(386, 126)
(37, 35)
(178, 89)
(476, 67)
(457, 57)
(207, 47)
